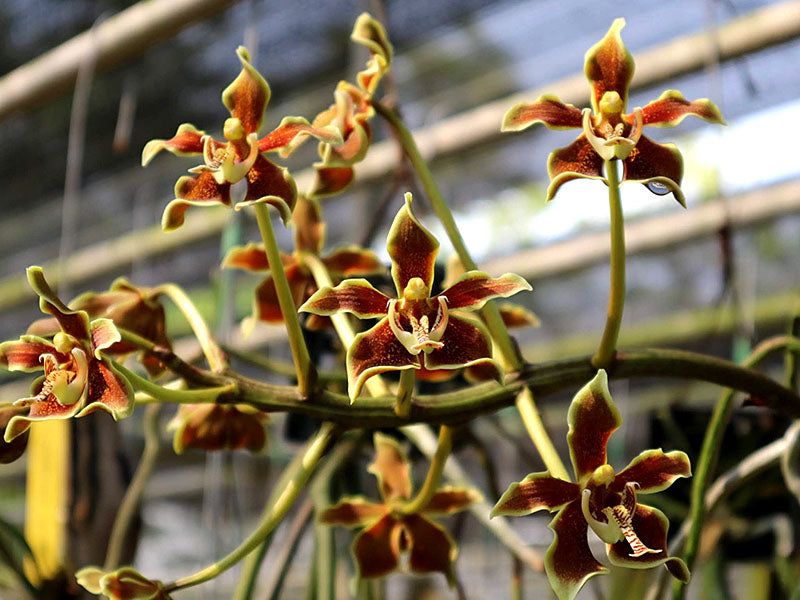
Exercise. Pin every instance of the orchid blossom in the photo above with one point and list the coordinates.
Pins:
(415, 329)
(389, 531)
(78, 379)
(219, 427)
(241, 156)
(123, 584)
(605, 501)
(610, 134)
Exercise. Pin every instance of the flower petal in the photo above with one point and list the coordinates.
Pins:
(609, 66)
(353, 150)
(108, 391)
(202, 190)
(412, 248)
(353, 511)
(356, 296)
(375, 351)
(270, 184)
(654, 471)
(592, 418)
(569, 562)
(293, 131)
(671, 108)
(376, 550)
(538, 491)
(308, 225)
(546, 109)
(578, 160)
(72, 322)
(466, 343)
(651, 526)
(652, 163)
(353, 261)
(187, 141)
(449, 500)
(248, 95)
(266, 306)
(370, 33)
(330, 181)
(24, 354)
(474, 289)
(432, 549)
(104, 334)
(251, 257)
(211, 427)
(391, 468)
(128, 584)
(11, 450)
(515, 315)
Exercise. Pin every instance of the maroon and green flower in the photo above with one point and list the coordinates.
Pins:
(415, 330)
(77, 379)
(241, 156)
(390, 532)
(125, 583)
(635, 534)
(219, 427)
(309, 238)
(608, 132)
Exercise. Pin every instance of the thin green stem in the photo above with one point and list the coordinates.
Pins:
(616, 293)
(217, 360)
(535, 426)
(162, 394)
(402, 405)
(288, 551)
(322, 278)
(709, 453)
(296, 478)
(133, 495)
(302, 360)
(433, 479)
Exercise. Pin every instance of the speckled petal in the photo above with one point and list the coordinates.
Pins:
(412, 248)
(108, 391)
(653, 470)
(538, 491)
(356, 296)
(652, 162)
(293, 131)
(466, 343)
(24, 354)
(187, 141)
(248, 95)
(267, 183)
(202, 190)
(474, 289)
(609, 66)
(330, 181)
(671, 108)
(353, 261)
(578, 160)
(546, 109)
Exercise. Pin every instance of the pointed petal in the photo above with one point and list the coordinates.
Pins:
(187, 141)
(412, 248)
(330, 181)
(432, 549)
(266, 306)
(270, 184)
(484, 371)
(45, 327)
(474, 289)
(592, 418)
(24, 354)
(104, 334)
(356, 296)
(89, 579)
(128, 584)
(108, 391)
(609, 66)
(376, 550)
(515, 315)
(466, 343)
(449, 500)
(353, 150)
(248, 95)
(353, 511)
(202, 190)
(391, 468)
(353, 261)
(651, 526)
(568, 562)
(370, 33)
(538, 491)
(211, 427)
(293, 131)
(251, 257)
(309, 228)
(14, 448)
(655, 164)
(72, 322)
(671, 108)
(578, 160)
(546, 109)
(375, 351)
(654, 471)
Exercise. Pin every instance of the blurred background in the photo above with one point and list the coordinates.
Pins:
(715, 277)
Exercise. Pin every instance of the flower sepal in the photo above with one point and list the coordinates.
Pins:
(123, 584)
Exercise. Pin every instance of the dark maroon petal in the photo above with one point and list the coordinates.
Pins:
(211, 427)
(671, 108)
(23, 354)
(592, 417)
(466, 343)
(292, 131)
(569, 562)
(448, 500)
(373, 352)
(412, 248)
(252, 257)
(652, 163)
(547, 109)
(330, 181)
(104, 335)
(356, 296)
(202, 190)
(248, 95)
(72, 322)
(353, 512)
(353, 261)
(266, 307)
(267, 183)
(432, 549)
(308, 225)
(609, 66)
(376, 549)
(654, 471)
(391, 468)
(538, 491)
(515, 315)
(472, 290)
(578, 160)
(108, 391)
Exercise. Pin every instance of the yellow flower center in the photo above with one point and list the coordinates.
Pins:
(416, 289)
(611, 103)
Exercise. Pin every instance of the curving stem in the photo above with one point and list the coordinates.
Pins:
(434, 477)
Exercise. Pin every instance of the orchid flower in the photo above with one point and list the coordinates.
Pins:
(388, 530)
(241, 155)
(603, 500)
(219, 427)
(415, 329)
(125, 583)
(608, 132)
